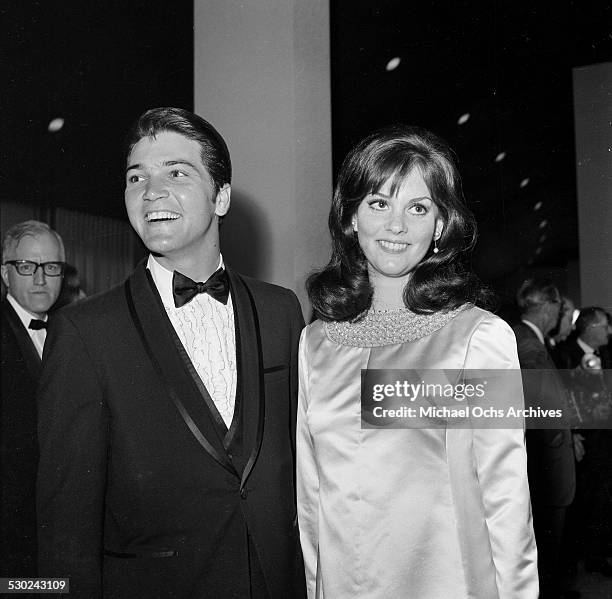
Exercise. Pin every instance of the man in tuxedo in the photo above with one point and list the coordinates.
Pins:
(592, 332)
(32, 266)
(550, 452)
(579, 357)
(168, 404)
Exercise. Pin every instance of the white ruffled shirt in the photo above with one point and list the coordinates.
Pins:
(206, 330)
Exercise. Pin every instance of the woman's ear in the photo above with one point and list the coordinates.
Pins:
(439, 228)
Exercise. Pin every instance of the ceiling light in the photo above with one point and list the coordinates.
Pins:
(543, 224)
(538, 205)
(55, 125)
(542, 238)
(538, 251)
(524, 182)
(500, 156)
(464, 118)
(393, 63)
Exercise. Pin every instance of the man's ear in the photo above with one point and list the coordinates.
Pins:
(5, 278)
(222, 202)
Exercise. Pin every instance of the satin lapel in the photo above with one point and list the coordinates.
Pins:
(24, 341)
(155, 331)
(250, 369)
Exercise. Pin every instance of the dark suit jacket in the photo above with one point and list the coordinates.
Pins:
(20, 372)
(550, 452)
(140, 493)
(568, 353)
(568, 356)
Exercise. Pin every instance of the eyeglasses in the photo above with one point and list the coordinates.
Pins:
(27, 268)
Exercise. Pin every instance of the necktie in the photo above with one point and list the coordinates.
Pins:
(37, 324)
(184, 289)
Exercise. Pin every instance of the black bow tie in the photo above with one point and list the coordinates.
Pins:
(37, 324)
(184, 289)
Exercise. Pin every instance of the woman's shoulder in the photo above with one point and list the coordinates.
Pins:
(478, 316)
(480, 322)
(490, 341)
(314, 330)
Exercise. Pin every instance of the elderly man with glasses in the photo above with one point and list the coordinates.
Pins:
(32, 268)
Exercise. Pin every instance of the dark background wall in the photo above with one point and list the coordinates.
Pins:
(98, 64)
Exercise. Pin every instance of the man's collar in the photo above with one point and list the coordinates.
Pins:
(23, 314)
(587, 349)
(535, 329)
(162, 277)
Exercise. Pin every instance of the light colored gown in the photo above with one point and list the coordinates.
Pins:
(423, 514)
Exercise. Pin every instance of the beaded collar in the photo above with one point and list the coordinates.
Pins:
(388, 327)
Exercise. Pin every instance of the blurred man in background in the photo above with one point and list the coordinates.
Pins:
(32, 267)
(550, 452)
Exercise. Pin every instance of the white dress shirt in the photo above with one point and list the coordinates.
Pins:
(205, 327)
(585, 347)
(535, 329)
(38, 336)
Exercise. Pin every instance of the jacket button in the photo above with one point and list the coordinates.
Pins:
(243, 493)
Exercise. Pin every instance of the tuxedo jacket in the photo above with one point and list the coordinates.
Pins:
(598, 444)
(568, 353)
(568, 356)
(20, 372)
(550, 452)
(141, 490)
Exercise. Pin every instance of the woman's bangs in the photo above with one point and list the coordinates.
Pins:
(393, 173)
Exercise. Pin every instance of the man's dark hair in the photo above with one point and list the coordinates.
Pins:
(587, 317)
(214, 153)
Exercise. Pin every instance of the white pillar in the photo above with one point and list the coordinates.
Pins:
(262, 79)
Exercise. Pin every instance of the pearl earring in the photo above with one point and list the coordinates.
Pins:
(435, 249)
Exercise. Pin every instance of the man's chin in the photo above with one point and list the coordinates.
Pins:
(41, 306)
(158, 245)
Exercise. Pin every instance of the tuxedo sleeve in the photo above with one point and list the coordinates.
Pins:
(297, 325)
(73, 437)
(501, 467)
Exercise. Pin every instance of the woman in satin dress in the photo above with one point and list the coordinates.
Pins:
(429, 513)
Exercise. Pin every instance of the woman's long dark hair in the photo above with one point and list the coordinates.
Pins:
(342, 290)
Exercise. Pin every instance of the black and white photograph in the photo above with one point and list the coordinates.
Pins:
(306, 299)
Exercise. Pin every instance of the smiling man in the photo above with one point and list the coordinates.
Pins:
(168, 404)
(32, 267)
